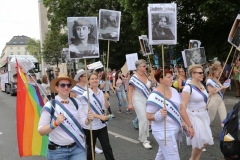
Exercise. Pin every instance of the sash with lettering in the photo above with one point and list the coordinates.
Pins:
(95, 104)
(71, 126)
(139, 85)
(213, 84)
(157, 99)
(78, 90)
(200, 92)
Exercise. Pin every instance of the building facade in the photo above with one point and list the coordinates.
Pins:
(16, 46)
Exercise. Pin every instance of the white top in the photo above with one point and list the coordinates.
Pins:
(47, 88)
(78, 95)
(83, 111)
(213, 84)
(170, 123)
(58, 135)
(196, 100)
(188, 81)
(138, 94)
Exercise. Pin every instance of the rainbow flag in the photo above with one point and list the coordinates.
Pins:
(29, 105)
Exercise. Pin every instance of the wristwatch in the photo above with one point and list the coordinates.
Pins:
(190, 126)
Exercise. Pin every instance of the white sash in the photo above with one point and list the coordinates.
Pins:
(213, 84)
(140, 85)
(157, 99)
(78, 90)
(71, 126)
(95, 104)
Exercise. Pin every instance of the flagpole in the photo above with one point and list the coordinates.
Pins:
(163, 67)
(106, 75)
(220, 74)
(91, 137)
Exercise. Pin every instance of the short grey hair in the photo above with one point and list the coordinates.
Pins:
(139, 62)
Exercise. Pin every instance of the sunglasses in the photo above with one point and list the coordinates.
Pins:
(199, 72)
(63, 85)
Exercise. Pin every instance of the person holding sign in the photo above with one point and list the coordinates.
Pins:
(216, 91)
(60, 120)
(156, 113)
(194, 112)
(139, 90)
(160, 30)
(98, 104)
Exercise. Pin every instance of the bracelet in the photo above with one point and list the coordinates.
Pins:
(55, 123)
(51, 126)
(190, 126)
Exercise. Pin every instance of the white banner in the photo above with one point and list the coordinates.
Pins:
(95, 65)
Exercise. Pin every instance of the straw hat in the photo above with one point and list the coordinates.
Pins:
(79, 73)
(61, 77)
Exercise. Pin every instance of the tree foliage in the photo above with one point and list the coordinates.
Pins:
(34, 48)
(209, 21)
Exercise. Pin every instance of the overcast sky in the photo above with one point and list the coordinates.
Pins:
(18, 17)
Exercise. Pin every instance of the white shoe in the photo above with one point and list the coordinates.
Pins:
(98, 151)
(204, 150)
(146, 145)
(112, 115)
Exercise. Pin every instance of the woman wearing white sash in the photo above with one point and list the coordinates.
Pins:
(98, 103)
(194, 112)
(156, 113)
(79, 89)
(216, 89)
(66, 138)
(139, 90)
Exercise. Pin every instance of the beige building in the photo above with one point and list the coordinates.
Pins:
(16, 46)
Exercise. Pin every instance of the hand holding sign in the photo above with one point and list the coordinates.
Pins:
(227, 83)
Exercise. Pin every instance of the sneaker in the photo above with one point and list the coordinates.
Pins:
(204, 150)
(128, 111)
(135, 124)
(98, 151)
(146, 145)
(119, 111)
(112, 115)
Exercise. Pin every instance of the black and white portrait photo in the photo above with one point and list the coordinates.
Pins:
(194, 44)
(145, 47)
(109, 24)
(195, 56)
(162, 24)
(66, 56)
(82, 37)
(236, 37)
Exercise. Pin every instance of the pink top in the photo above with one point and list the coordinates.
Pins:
(119, 82)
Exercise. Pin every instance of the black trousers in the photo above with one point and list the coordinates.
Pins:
(103, 138)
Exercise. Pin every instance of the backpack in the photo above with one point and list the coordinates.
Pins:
(54, 103)
(230, 149)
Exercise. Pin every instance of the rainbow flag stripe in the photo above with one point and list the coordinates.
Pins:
(29, 105)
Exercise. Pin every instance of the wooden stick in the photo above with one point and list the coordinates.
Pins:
(106, 76)
(163, 65)
(91, 137)
(220, 74)
(150, 64)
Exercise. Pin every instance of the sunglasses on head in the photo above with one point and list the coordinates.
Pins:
(63, 85)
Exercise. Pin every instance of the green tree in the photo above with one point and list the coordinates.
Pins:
(52, 47)
(34, 48)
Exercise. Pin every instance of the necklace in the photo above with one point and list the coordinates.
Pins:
(140, 74)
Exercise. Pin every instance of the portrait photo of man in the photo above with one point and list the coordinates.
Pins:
(82, 37)
(109, 24)
(162, 27)
(195, 56)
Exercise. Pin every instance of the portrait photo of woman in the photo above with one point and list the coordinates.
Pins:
(195, 56)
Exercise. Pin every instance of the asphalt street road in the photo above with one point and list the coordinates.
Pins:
(123, 137)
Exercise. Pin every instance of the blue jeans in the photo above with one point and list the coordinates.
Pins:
(73, 153)
(121, 96)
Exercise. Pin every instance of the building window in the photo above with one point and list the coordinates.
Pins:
(14, 42)
(11, 48)
(11, 53)
(21, 42)
(18, 53)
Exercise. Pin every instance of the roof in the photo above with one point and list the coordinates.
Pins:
(18, 40)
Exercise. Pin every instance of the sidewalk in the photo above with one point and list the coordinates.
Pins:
(229, 97)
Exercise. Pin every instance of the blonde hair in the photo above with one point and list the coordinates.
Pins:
(192, 68)
(213, 68)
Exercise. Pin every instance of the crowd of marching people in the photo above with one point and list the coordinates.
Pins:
(174, 100)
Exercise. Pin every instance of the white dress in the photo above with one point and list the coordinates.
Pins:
(139, 103)
(198, 115)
